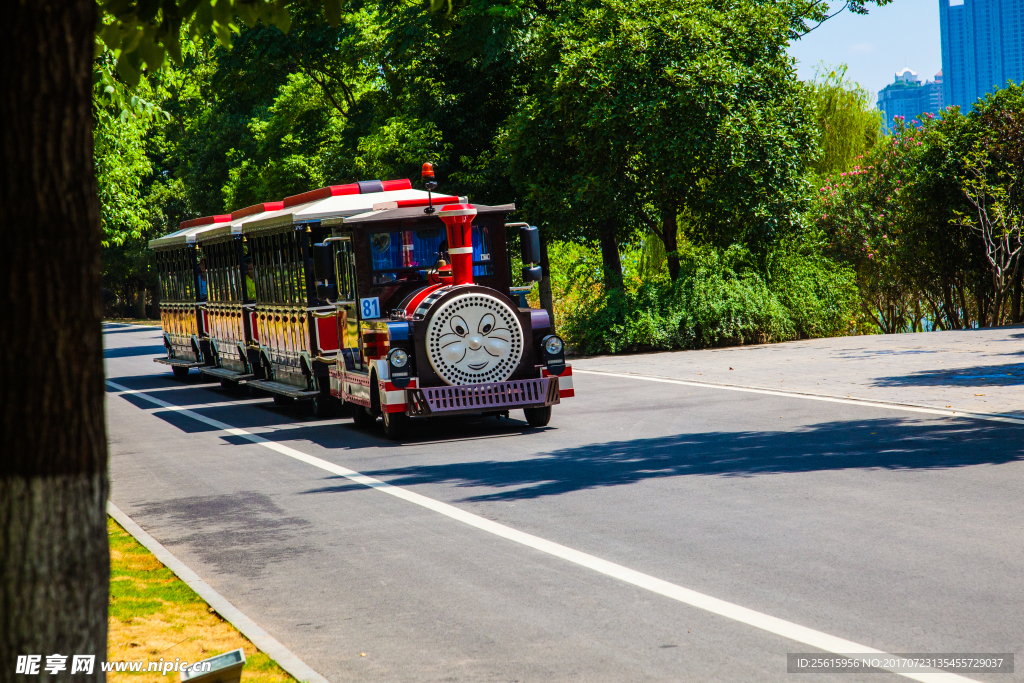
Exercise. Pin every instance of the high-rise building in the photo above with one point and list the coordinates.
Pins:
(909, 98)
(982, 47)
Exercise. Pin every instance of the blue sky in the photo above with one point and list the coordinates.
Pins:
(876, 46)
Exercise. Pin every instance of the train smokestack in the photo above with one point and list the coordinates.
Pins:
(458, 218)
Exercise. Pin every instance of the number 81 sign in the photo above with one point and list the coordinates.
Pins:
(369, 308)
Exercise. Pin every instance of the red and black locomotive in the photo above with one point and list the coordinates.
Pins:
(393, 301)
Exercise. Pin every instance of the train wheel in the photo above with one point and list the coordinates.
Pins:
(395, 425)
(361, 416)
(538, 417)
(179, 371)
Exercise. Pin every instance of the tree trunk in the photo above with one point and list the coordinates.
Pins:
(1015, 300)
(547, 301)
(965, 316)
(140, 303)
(54, 558)
(949, 304)
(669, 234)
(610, 256)
(156, 304)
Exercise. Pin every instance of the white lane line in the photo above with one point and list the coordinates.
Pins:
(178, 387)
(227, 403)
(249, 628)
(765, 622)
(907, 407)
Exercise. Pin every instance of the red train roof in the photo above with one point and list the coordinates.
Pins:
(255, 209)
(361, 187)
(205, 220)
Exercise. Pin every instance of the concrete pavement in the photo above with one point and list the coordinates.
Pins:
(970, 370)
(897, 531)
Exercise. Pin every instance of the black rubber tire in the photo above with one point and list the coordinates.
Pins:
(538, 417)
(283, 400)
(361, 417)
(180, 372)
(396, 425)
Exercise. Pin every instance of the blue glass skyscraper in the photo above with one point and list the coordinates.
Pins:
(909, 98)
(982, 47)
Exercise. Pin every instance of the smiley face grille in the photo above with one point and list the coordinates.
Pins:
(474, 338)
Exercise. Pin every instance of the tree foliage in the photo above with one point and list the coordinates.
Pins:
(638, 111)
(929, 218)
(846, 121)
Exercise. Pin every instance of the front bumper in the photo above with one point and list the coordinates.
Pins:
(477, 398)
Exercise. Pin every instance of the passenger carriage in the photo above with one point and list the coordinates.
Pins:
(182, 294)
(231, 304)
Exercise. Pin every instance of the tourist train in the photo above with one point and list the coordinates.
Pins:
(396, 303)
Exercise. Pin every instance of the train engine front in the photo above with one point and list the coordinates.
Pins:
(449, 338)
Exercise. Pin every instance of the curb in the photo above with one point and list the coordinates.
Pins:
(249, 628)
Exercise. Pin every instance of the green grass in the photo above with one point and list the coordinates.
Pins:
(154, 615)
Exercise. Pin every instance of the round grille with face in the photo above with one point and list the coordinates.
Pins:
(474, 338)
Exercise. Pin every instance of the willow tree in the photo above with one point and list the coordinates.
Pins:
(847, 123)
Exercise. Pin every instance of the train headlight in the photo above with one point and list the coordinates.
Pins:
(399, 368)
(553, 345)
(398, 358)
(553, 349)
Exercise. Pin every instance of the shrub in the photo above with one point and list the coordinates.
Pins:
(721, 298)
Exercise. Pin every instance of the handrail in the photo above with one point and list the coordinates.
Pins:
(326, 314)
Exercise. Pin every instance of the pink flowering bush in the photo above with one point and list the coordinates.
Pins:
(859, 216)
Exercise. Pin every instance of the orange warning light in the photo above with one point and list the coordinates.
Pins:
(428, 170)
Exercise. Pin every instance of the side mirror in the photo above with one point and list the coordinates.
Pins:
(532, 274)
(323, 272)
(529, 244)
(323, 263)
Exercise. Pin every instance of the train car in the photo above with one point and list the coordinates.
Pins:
(230, 304)
(183, 294)
(426, 322)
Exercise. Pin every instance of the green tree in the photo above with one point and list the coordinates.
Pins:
(942, 259)
(861, 214)
(640, 110)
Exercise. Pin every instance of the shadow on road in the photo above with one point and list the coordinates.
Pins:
(122, 330)
(863, 444)
(1011, 374)
(241, 533)
(217, 403)
(127, 351)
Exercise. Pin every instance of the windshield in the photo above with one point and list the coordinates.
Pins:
(409, 254)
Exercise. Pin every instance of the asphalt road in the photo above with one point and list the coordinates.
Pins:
(898, 531)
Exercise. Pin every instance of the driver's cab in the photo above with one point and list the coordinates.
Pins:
(382, 259)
